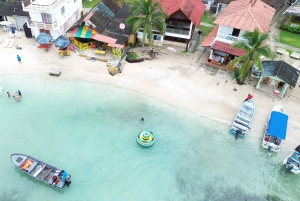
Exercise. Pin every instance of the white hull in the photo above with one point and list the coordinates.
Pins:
(272, 144)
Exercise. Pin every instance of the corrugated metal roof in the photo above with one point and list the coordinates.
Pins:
(247, 15)
(193, 9)
(282, 70)
(12, 7)
(224, 47)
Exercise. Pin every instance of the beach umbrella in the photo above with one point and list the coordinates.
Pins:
(62, 42)
(43, 38)
(6, 23)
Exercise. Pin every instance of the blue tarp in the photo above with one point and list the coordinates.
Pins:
(278, 125)
(62, 42)
(43, 38)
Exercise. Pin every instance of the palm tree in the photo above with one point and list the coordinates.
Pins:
(147, 15)
(255, 48)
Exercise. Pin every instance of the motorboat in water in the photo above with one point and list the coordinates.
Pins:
(292, 162)
(275, 130)
(146, 138)
(243, 119)
(41, 171)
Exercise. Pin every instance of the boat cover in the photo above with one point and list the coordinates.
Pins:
(278, 125)
(298, 149)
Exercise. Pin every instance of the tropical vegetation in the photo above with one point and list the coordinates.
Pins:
(255, 47)
(147, 15)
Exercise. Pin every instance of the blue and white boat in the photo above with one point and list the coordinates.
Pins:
(292, 162)
(243, 119)
(275, 130)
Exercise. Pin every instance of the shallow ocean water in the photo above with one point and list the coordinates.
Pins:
(89, 129)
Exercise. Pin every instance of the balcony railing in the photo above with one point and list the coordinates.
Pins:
(41, 25)
(47, 7)
(229, 39)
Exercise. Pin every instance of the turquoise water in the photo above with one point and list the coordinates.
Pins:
(90, 129)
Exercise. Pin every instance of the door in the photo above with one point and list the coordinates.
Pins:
(236, 32)
(27, 31)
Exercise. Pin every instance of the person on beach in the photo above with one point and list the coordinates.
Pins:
(19, 59)
(142, 119)
(8, 94)
(249, 97)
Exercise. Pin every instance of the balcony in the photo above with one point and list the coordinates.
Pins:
(228, 38)
(41, 6)
(41, 25)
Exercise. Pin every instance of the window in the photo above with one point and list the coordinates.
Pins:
(62, 10)
(157, 37)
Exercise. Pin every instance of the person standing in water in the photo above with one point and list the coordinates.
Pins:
(142, 119)
(8, 94)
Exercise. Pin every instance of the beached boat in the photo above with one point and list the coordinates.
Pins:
(145, 138)
(275, 130)
(292, 162)
(243, 119)
(41, 171)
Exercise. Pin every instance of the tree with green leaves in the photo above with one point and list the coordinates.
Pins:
(255, 47)
(147, 15)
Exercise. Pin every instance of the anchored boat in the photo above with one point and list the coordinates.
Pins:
(41, 171)
(275, 130)
(292, 162)
(145, 138)
(243, 119)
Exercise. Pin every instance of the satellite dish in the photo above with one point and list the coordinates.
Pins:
(122, 26)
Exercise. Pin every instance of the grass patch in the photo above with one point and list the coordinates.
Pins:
(205, 30)
(89, 4)
(208, 18)
(289, 38)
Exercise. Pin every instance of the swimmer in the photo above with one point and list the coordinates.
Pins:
(8, 94)
(16, 97)
(142, 119)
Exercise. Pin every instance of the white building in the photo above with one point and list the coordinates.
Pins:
(52, 16)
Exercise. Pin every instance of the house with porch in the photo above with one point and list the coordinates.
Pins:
(54, 17)
(184, 17)
(237, 18)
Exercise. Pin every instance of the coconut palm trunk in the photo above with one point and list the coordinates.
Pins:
(254, 47)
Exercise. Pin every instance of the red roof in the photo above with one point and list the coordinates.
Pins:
(210, 38)
(224, 47)
(247, 15)
(192, 9)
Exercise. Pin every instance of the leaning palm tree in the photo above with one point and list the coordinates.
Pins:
(147, 15)
(254, 46)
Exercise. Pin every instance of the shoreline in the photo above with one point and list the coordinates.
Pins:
(178, 79)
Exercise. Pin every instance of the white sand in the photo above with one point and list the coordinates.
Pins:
(174, 78)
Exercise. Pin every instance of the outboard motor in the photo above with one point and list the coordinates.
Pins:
(68, 182)
(288, 168)
(270, 149)
(237, 132)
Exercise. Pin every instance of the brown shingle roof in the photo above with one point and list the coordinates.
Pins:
(247, 15)
(193, 9)
(224, 47)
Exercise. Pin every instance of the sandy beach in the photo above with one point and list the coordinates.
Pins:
(179, 79)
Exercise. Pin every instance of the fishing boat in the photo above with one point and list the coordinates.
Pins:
(243, 119)
(292, 162)
(146, 138)
(41, 171)
(275, 130)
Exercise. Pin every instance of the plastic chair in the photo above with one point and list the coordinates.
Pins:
(18, 35)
